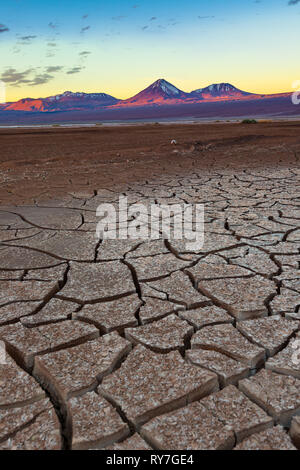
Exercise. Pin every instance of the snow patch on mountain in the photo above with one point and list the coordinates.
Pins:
(166, 87)
(219, 90)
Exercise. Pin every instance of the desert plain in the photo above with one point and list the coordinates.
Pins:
(142, 344)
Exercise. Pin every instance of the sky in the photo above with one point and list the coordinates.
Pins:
(122, 46)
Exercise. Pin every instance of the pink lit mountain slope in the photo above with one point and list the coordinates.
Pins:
(159, 93)
(67, 101)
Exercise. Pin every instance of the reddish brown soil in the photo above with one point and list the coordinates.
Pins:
(49, 163)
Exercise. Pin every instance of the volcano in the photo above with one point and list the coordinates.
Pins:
(160, 92)
(220, 91)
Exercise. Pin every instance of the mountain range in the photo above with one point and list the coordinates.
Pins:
(160, 93)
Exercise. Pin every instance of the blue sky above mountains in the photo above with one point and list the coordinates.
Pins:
(120, 47)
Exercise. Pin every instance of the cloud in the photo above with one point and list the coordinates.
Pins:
(27, 38)
(41, 79)
(52, 25)
(74, 70)
(85, 28)
(3, 28)
(84, 17)
(51, 44)
(84, 53)
(154, 27)
(14, 77)
(29, 77)
(34, 77)
(293, 2)
(54, 68)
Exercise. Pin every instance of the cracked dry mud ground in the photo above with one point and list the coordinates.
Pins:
(143, 345)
